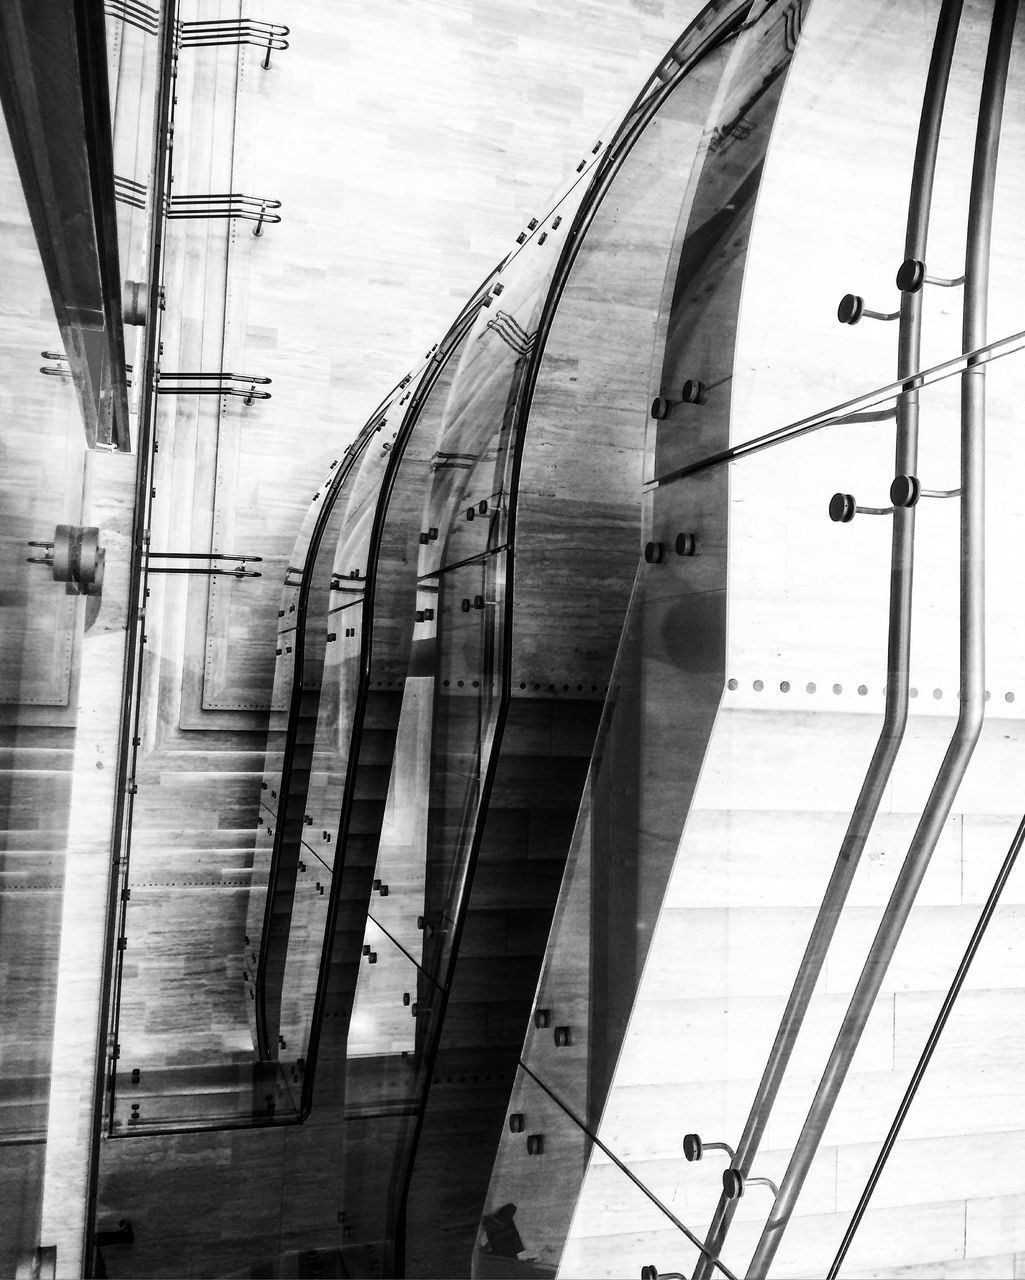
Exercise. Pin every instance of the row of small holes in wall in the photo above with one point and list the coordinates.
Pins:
(475, 684)
(811, 687)
(193, 884)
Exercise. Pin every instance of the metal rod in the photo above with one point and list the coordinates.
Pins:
(199, 555)
(930, 1045)
(209, 573)
(841, 413)
(877, 415)
(898, 659)
(623, 1168)
(972, 647)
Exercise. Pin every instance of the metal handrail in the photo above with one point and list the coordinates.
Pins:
(191, 384)
(204, 33)
(140, 15)
(212, 204)
(841, 414)
(207, 34)
(132, 685)
(898, 663)
(972, 647)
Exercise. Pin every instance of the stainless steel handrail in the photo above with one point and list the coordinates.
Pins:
(839, 415)
(972, 647)
(898, 661)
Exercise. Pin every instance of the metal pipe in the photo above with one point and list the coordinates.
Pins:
(898, 644)
(839, 414)
(930, 1045)
(972, 647)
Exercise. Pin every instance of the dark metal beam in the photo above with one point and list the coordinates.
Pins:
(56, 100)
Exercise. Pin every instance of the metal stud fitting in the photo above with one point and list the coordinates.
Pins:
(516, 1122)
(478, 602)
(372, 958)
(406, 999)
(532, 224)
(912, 275)
(734, 1184)
(557, 222)
(694, 392)
(366, 948)
(660, 407)
(843, 509)
(852, 309)
(535, 1144)
(464, 605)
(694, 1148)
(486, 302)
(542, 1017)
(542, 237)
(428, 535)
(471, 513)
(376, 885)
(653, 552)
(521, 237)
(653, 1273)
(906, 490)
(498, 288)
(685, 544)
(562, 1037)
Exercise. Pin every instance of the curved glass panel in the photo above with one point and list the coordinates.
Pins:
(300, 643)
(788, 749)
(358, 716)
(458, 658)
(226, 1074)
(326, 836)
(641, 781)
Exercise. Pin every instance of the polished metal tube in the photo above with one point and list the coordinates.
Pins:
(972, 649)
(898, 643)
